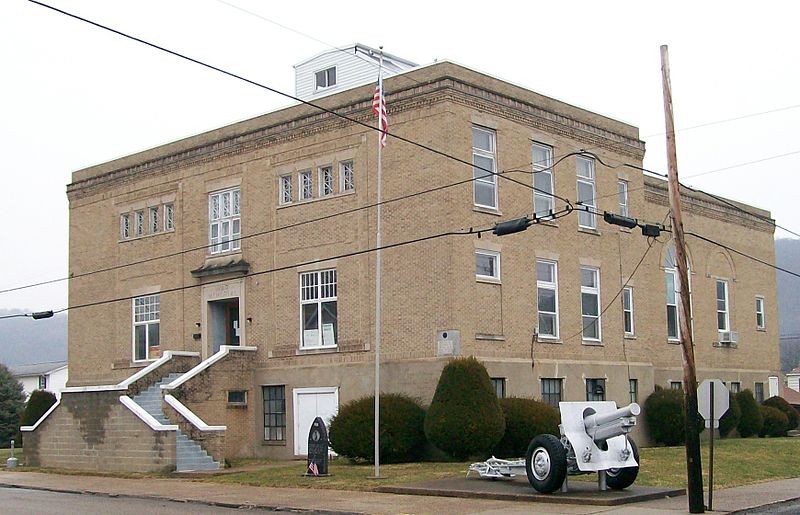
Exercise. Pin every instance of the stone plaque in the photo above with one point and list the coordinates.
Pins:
(317, 449)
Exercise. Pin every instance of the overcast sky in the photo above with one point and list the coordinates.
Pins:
(74, 95)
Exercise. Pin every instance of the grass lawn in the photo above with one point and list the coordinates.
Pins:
(736, 462)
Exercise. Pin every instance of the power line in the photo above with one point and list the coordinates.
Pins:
(743, 254)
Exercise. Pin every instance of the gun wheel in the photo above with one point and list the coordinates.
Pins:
(617, 479)
(546, 463)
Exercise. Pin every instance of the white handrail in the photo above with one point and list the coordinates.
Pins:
(41, 419)
(155, 364)
(146, 417)
(224, 350)
(190, 416)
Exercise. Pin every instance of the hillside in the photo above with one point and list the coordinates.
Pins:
(24, 340)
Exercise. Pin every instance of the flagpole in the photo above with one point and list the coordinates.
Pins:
(378, 279)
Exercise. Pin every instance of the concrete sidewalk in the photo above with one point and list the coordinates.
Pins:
(337, 501)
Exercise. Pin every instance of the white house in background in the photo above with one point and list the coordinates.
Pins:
(793, 379)
(50, 376)
(343, 68)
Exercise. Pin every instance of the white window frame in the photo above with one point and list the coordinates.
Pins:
(305, 185)
(482, 179)
(146, 312)
(622, 189)
(495, 258)
(725, 308)
(318, 293)
(169, 217)
(285, 189)
(595, 291)
(761, 317)
(543, 200)
(347, 179)
(224, 221)
(547, 285)
(153, 219)
(125, 226)
(326, 181)
(138, 225)
(327, 76)
(586, 219)
(675, 305)
(627, 311)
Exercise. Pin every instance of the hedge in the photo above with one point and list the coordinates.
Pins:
(525, 418)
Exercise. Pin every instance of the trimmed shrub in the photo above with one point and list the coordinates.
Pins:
(751, 420)
(38, 404)
(665, 416)
(464, 418)
(525, 418)
(775, 422)
(402, 439)
(787, 409)
(730, 419)
(12, 402)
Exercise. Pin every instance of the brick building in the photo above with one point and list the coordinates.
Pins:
(291, 303)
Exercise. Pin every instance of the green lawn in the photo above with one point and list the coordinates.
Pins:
(736, 462)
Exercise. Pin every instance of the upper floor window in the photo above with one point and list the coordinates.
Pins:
(484, 159)
(146, 322)
(154, 222)
(306, 191)
(43, 382)
(760, 322)
(542, 180)
(325, 181)
(138, 227)
(586, 192)
(627, 310)
(124, 226)
(318, 308)
(547, 298)
(622, 188)
(487, 265)
(590, 303)
(169, 217)
(286, 189)
(723, 315)
(225, 226)
(346, 176)
(673, 293)
(325, 78)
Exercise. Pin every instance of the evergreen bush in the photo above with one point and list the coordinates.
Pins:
(751, 420)
(12, 402)
(37, 405)
(788, 410)
(775, 422)
(665, 415)
(525, 418)
(402, 438)
(464, 418)
(730, 419)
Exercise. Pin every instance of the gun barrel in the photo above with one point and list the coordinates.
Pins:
(599, 419)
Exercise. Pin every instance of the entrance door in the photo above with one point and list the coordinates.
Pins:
(224, 325)
(310, 403)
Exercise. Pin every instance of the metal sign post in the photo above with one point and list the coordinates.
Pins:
(712, 403)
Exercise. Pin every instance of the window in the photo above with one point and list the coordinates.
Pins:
(325, 181)
(274, 413)
(225, 221)
(237, 397)
(723, 317)
(760, 323)
(633, 390)
(169, 217)
(759, 393)
(138, 228)
(146, 321)
(124, 226)
(586, 219)
(542, 180)
(590, 303)
(306, 192)
(551, 391)
(499, 385)
(547, 298)
(286, 189)
(43, 382)
(346, 177)
(318, 308)
(483, 159)
(487, 265)
(676, 385)
(325, 78)
(622, 187)
(154, 225)
(672, 304)
(735, 387)
(627, 310)
(595, 389)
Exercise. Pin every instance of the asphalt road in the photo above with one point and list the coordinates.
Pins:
(781, 508)
(38, 502)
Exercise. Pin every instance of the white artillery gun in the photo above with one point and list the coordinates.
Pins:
(593, 439)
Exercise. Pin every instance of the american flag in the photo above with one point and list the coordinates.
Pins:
(379, 108)
(313, 469)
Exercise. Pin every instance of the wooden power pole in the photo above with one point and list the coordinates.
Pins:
(694, 469)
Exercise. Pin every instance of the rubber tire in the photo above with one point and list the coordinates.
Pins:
(549, 448)
(617, 479)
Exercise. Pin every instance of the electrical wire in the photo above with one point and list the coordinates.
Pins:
(743, 254)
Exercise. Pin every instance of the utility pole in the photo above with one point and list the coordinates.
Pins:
(694, 469)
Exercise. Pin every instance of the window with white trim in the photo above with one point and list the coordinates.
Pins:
(723, 315)
(305, 185)
(484, 160)
(325, 181)
(285, 189)
(146, 326)
(676, 385)
(347, 180)
(760, 320)
(673, 293)
(124, 226)
(543, 204)
(318, 309)
(169, 217)
(325, 78)
(154, 225)
(622, 188)
(627, 310)
(547, 297)
(224, 215)
(487, 265)
(586, 193)
(138, 227)
(43, 382)
(590, 303)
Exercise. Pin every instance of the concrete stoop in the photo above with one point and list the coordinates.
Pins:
(190, 456)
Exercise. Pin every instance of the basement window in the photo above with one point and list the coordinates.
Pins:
(237, 397)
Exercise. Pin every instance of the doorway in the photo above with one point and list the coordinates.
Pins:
(225, 327)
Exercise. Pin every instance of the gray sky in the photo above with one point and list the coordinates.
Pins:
(74, 96)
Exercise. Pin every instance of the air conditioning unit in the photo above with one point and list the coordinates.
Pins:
(448, 342)
(728, 339)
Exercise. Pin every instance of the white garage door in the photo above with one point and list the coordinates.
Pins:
(310, 403)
